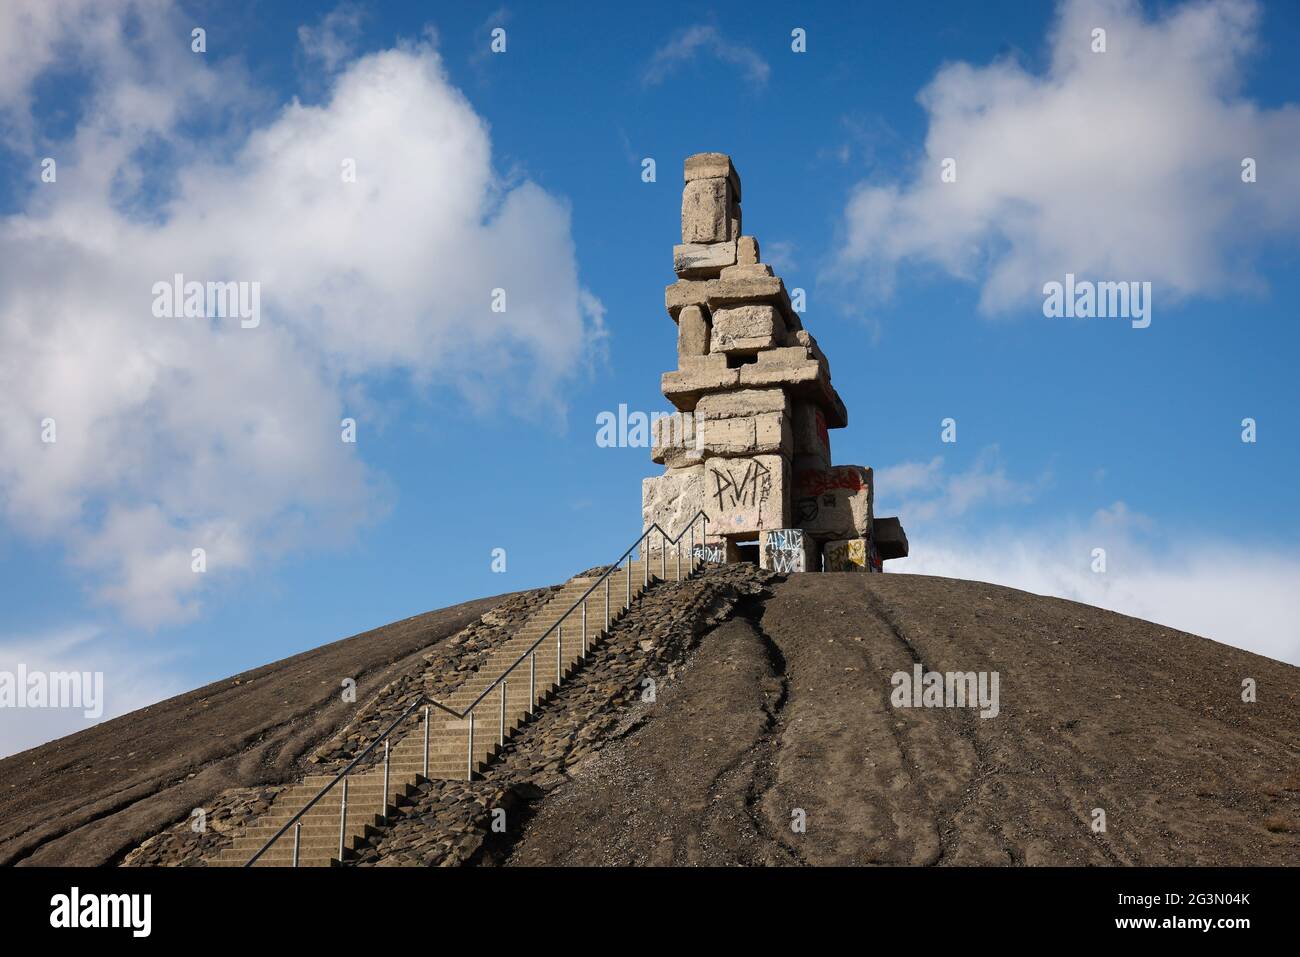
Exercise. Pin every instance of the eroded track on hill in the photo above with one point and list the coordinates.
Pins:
(783, 716)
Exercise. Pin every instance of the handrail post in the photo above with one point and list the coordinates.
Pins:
(469, 758)
(426, 740)
(383, 798)
(532, 683)
(692, 543)
(607, 577)
(677, 557)
(297, 839)
(629, 582)
(343, 817)
(584, 628)
(559, 651)
(663, 555)
(502, 742)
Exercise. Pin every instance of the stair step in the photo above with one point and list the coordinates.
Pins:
(558, 624)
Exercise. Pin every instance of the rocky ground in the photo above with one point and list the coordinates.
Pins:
(437, 671)
(740, 718)
(91, 797)
(780, 745)
(451, 822)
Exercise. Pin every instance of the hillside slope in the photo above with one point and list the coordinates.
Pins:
(788, 709)
(772, 705)
(86, 798)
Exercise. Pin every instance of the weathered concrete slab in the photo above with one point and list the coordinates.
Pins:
(706, 210)
(673, 498)
(749, 271)
(734, 290)
(717, 552)
(712, 166)
(693, 333)
(834, 504)
(889, 538)
(804, 377)
(698, 376)
(748, 422)
(746, 495)
(802, 337)
(768, 433)
(675, 440)
(788, 550)
(703, 260)
(812, 442)
(849, 555)
(746, 329)
(745, 402)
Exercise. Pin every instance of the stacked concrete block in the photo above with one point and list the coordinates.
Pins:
(746, 422)
(787, 550)
(758, 389)
(888, 538)
(834, 503)
(694, 334)
(850, 555)
(747, 330)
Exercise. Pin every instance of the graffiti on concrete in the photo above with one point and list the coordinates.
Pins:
(814, 482)
(785, 550)
(750, 488)
(712, 552)
(852, 555)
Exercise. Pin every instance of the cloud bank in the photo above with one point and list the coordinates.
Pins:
(1122, 165)
(1215, 589)
(173, 434)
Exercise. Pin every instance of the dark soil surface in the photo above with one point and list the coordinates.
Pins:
(771, 739)
(89, 797)
(784, 716)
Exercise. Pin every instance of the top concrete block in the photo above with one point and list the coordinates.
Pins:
(706, 205)
(712, 166)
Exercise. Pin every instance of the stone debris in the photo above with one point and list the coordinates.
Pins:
(447, 665)
(450, 823)
(181, 846)
(749, 444)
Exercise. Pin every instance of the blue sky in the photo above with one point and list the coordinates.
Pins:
(522, 169)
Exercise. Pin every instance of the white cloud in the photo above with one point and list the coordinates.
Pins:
(1123, 165)
(174, 434)
(701, 43)
(1232, 594)
(924, 493)
(131, 680)
(333, 39)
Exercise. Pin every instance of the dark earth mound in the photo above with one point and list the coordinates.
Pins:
(780, 714)
(790, 710)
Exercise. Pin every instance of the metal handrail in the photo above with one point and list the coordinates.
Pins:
(423, 699)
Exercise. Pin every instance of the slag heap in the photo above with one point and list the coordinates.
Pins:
(750, 445)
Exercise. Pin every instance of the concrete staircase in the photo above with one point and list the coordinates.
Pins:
(450, 755)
